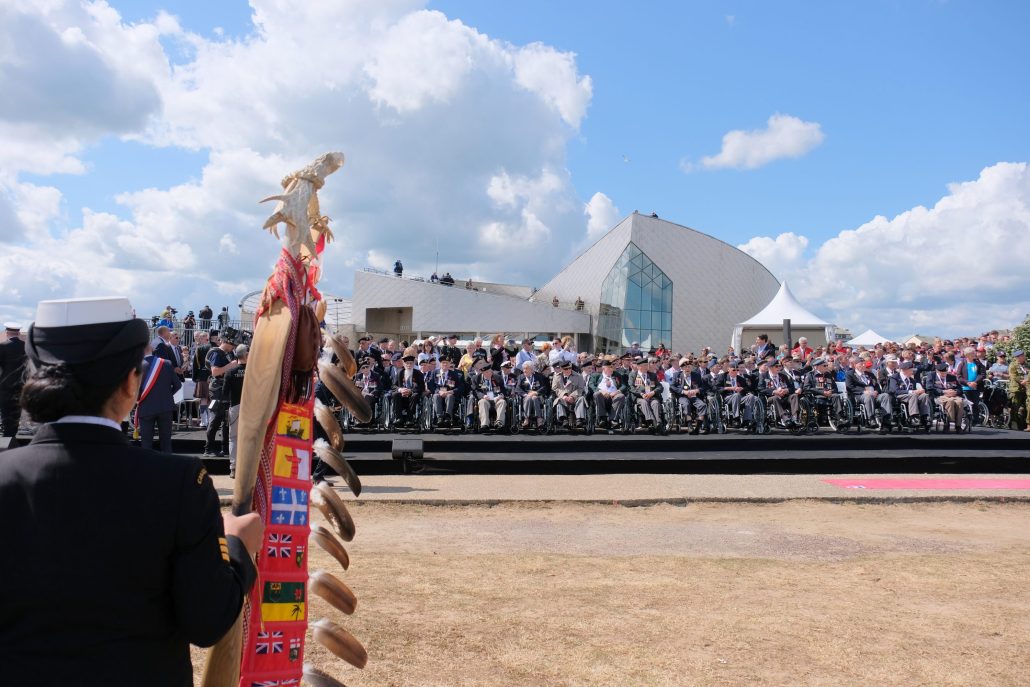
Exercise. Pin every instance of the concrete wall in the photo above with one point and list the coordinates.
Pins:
(441, 309)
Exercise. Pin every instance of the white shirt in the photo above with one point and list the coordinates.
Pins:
(88, 420)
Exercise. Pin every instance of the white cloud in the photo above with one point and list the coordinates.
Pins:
(782, 255)
(785, 136)
(451, 137)
(601, 215)
(960, 267)
(552, 75)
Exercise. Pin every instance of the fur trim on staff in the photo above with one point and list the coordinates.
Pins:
(330, 424)
(339, 464)
(314, 677)
(340, 642)
(345, 390)
(333, 508)
(338, 594)
(328, 543)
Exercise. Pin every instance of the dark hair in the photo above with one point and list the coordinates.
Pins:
(53, 391)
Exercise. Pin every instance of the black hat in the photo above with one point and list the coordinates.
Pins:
(364, 338)
(364, 364)
(906, 365)
(452, 336)
(396, 356)
(407, 358)
(941, 367)
(565, 364)
(97, 338)
(228, 335)
(384, 340)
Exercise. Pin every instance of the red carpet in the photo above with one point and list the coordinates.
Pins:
(931, 483)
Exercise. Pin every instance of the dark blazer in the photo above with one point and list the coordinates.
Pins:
(418, 381)
(765, 387)
(97, 591)
(895, 386)
(378, 383)
(159, 400)
(533, 382)
(163, 350)
(855, 385)
(723, 382)
(697, 381)
(481, 386)
(452, 380)
(936, 387)
(12, 367)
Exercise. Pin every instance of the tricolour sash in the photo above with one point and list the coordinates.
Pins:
(148, 384)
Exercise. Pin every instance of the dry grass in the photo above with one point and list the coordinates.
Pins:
(473, 605)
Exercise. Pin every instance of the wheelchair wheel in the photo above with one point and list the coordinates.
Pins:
(715, 422)
(982, 413)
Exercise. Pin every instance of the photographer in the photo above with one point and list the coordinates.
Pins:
(221, 361)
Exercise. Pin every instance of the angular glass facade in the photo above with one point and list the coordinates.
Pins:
(636, 304)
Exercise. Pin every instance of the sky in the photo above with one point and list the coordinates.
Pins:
(875, 155)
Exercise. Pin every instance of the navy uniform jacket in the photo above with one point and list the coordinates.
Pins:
(855, 384)
(159, 400)
(452, 380)
(116, 561)
(12, 367)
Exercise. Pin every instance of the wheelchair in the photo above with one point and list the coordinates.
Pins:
(996, 399)
(470, 405)
(904, 420)
(633, 418)
(517, 415)
(380, 419)
(836, 411)
(938, 418)
(431, 420)
(417, 416)
(769, 421)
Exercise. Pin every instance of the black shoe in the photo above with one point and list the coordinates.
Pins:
(885, 429)
(694, 432)
(221, 454)
(945, 430)
(704, 430)
(580, 424)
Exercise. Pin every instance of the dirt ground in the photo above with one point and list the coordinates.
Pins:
(797, 593)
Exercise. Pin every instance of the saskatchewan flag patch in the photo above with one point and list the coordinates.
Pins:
(283, 601)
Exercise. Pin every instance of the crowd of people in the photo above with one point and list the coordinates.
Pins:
(483, 384)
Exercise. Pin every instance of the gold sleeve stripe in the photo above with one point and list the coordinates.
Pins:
(224, 545)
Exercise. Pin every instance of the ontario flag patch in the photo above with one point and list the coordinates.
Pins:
(284, 551)
(278, 647)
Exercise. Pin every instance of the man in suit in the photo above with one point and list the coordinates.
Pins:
(906, 389)
(451, 351)
(762, 348)
(372, 384)
(408, 386)
(735, 391)
(946, 391)
(12, 369)
(646, 392)
(865, 391)
(690, 389)
(609, 393)
(569, 390)
(148, 581)
(488, 391)
(446, 387)
(778, 390)
(532, 391)
(156, 401)
(163, 349)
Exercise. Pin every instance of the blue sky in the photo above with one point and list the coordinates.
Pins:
(906, 98)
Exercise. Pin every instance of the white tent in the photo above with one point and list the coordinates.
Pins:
(868, 338)
(784, 306)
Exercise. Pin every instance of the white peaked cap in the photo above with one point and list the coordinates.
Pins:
(12, 326)
(70, 312)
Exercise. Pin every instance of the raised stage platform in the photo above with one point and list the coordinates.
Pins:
(989, 450)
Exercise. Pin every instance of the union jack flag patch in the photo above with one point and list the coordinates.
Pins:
(269, 642)
(279, 545)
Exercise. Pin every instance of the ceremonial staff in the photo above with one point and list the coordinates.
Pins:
(275, 447)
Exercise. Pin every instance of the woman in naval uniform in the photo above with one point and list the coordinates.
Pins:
(115, 558)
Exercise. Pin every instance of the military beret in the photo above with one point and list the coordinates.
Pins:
(1018, 352)
(407, 358)
(941, 367)
(906, 365)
